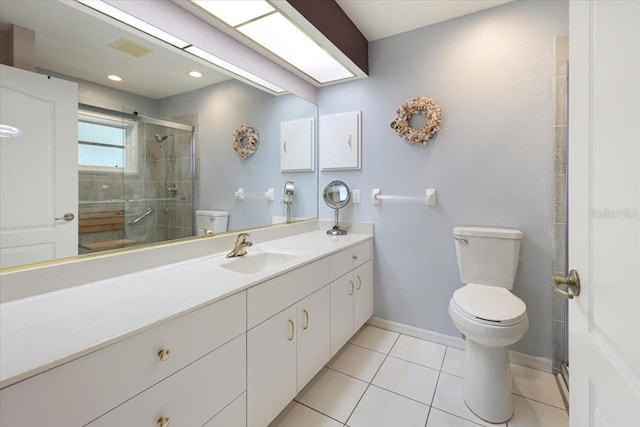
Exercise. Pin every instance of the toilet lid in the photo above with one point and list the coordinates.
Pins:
(490, 304)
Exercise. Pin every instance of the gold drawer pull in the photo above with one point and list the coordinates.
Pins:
(164, 355)
(164, 422)
(359, 283)
(350, 287)
(293, 329)
(306, 319)
(355, 257)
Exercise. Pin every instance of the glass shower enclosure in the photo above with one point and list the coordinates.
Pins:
(136, 179)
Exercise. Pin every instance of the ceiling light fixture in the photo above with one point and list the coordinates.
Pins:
(268, 27)
(203, 54)
(121, 16)
(114, 78)
(195, 74)
(7, 131)
(156, 32)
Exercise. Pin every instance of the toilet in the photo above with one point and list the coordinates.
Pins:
(489, 316)
(211, 220)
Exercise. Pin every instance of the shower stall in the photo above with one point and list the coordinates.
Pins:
(137, 179)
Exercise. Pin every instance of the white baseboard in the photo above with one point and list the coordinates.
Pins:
(534, 362)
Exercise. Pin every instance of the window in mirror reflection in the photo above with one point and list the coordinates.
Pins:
(106, 143)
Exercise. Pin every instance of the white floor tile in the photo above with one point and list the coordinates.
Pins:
(381, 408)
(419, 351)
(454, 362)
(438, 418)
(374, 338)
(332, 393)
(408, 379)
(536, 385)
(529, 413)
(296, 415)
(449, 398)
(357, 361)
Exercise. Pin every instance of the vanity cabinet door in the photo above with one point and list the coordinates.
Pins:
(271, 367)
(314, 335)
(342, 295)
(363, 302)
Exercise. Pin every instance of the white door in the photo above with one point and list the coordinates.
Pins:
(38, 169)
(314, 335)
(604, 213)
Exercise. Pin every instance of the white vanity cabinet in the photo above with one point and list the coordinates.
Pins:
(285, 351)
(351, 293)
(83, 389)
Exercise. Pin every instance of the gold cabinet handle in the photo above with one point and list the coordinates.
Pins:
(350, 287)
(355, 257)
(164, 421)
(306, 319)
(67, 217)
(359, 283)
(164, 354)
(293, 329)
(569, 286)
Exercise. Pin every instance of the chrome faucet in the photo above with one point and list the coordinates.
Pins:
(241, 246)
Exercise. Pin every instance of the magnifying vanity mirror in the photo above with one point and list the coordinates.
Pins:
(336, 195)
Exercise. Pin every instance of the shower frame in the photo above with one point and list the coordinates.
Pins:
(135, 116)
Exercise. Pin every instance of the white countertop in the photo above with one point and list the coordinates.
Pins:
(47, 330)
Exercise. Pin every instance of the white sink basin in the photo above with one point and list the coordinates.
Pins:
(257, 262)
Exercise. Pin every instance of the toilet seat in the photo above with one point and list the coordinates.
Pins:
(490, 305)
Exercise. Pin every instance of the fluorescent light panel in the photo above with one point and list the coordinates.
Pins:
(235, 12)
(277, 34)
(134, 22)
(230, 67)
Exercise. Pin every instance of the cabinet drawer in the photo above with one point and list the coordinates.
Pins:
(191, 396)
(350, 258)
(273, 296)
(85, 388)
(233, 415)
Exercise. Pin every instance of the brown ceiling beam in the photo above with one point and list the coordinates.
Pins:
(331, 21)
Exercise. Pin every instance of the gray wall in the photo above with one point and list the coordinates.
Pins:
(221, 109)
(491, 162)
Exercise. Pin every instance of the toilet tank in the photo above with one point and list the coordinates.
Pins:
(213, 220)
(487, 256)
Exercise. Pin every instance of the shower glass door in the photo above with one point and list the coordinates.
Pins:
(136, 179)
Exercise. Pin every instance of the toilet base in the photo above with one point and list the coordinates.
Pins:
(487, 382)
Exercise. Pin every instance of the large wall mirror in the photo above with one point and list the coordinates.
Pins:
(156, 147)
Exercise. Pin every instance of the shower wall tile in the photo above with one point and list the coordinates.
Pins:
(561, 55)
(559, 248)
(560, 212)
(559, 340)
(560, 150)
(560, 111)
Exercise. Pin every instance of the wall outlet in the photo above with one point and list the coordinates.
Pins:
(355, 195)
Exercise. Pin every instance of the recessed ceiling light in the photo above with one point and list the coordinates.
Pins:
(195, 73)
(235, 12)
(114, 78)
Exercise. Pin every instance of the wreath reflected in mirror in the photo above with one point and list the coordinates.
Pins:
(245, 141)
(431, 112)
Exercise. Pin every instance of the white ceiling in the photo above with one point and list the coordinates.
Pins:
(377, 19)
(74, 43)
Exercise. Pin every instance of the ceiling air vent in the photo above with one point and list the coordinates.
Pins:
(129, 47)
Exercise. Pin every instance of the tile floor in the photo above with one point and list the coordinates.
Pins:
(385, 379)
